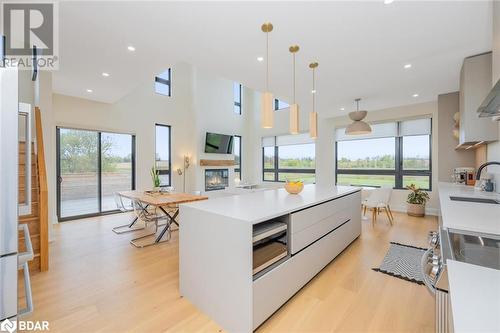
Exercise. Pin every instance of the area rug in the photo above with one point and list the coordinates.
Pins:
(403, 261)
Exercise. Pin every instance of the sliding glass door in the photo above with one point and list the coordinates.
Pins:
(91, 166)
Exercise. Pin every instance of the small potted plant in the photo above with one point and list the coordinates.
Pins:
(155, 177)
(416, 201)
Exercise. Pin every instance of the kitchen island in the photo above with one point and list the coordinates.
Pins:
(242, 257)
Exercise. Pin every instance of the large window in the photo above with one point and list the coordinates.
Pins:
(237, 97)
(237, 155)
(279, 104)
(395, 154)
(163, 83)
(163, 154)
(289, 157)
(91, 167)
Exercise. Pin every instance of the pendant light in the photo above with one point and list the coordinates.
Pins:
(294, 107)
(358, 126)
(313, 116)
(266, 108)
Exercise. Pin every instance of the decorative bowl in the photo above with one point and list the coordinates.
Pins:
(294, 187)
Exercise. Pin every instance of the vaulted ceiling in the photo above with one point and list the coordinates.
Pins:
(361, 46)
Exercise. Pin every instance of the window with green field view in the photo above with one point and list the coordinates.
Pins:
(397, 161)
(290, 161)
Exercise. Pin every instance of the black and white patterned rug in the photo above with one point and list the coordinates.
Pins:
(403, 261)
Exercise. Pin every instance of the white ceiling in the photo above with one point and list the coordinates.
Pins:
(361, 47)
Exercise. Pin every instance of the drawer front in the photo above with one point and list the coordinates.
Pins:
(303, 238)
(347, 208)
(307, 217)
(273, 289)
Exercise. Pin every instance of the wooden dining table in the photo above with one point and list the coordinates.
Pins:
(167, 202)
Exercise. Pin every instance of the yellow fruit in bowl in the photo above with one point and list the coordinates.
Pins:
(294, 187)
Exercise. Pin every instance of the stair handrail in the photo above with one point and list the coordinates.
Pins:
(43, 193)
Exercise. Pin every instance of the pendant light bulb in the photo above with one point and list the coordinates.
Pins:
(313, 116)
(266, 108)
(294, 107)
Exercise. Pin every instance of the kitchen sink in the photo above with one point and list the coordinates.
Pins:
(478, 200)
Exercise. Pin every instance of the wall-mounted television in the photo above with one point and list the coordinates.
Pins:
(218, 143)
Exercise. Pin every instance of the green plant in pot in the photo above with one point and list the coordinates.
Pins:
(155, 177)
(416, 201)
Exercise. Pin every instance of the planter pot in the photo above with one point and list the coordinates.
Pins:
(415, 210)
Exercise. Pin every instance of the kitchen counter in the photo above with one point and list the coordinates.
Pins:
(261, 205)
(469, 216)
(475, 297)
(239, 279)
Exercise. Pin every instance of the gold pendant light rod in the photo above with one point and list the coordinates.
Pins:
(294, 108)
(313, 116)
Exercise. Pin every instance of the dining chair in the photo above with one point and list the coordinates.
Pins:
(150, 216)
(379, 199)
(125, 208)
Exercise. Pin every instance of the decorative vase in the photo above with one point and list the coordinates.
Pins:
(415, 210)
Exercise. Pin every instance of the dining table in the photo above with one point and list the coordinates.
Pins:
(167, 202)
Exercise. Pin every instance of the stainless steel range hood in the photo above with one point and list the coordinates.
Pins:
(490, 107)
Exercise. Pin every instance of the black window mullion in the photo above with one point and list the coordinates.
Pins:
(399, 162)
(276, 162)
(99, 171)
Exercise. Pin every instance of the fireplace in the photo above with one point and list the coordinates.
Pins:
(216, 179)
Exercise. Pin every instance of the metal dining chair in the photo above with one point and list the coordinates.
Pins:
(150, 216)
(129, 227)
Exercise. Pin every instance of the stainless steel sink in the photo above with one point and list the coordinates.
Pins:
(478, 200)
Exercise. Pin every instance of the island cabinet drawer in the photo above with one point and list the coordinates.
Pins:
(274, 288)
(307, 217)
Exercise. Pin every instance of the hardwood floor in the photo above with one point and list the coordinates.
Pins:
(98, 282)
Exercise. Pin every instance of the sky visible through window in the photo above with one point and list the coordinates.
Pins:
(370, 148)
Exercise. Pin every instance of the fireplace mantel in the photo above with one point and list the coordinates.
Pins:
(221, 163)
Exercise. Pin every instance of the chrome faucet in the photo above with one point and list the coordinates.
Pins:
(478, 174)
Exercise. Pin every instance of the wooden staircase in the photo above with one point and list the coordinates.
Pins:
(37, 221)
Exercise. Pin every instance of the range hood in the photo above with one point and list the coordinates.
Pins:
(490, 107)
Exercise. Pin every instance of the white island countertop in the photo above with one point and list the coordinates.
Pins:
(264, 205)
(469, 216)
(475, 297)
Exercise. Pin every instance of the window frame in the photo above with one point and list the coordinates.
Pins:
(398, 171)
(241, 159)
(276, 104)
(168, 83)
(276, 170)
(99, 173)
(238, 102)
(169, 173)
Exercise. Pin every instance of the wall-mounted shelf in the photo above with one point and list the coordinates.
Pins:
(217, 163)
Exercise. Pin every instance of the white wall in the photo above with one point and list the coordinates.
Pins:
(200, 102)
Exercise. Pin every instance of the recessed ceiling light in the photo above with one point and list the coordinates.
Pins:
(313, 91)
(105, 74)
(342, 109)
(89, 90)
(407, 66)
(415, 95)
(260, 59)
(386, 2)
(131, 48)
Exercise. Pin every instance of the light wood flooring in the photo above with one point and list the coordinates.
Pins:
(98, 282)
